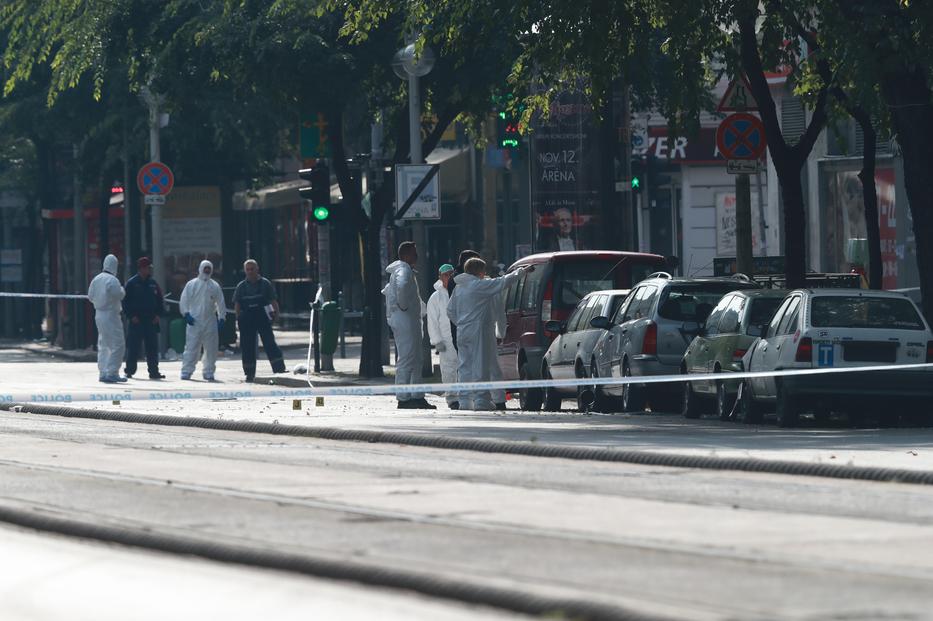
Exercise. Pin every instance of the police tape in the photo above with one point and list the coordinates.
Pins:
(44, 296)
(459, 387)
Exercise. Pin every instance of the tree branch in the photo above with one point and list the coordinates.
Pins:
(755, 73)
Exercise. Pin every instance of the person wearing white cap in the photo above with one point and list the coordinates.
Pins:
(440, 334)
(202, 306)
(106, 293)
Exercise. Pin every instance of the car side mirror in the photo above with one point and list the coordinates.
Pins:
(555, 327)
(600, 323)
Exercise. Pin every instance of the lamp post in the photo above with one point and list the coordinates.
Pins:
(408, 63)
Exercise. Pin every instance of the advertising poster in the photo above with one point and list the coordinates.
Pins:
(190, 233)
(725, 225)
(565, 176)
(844, 219)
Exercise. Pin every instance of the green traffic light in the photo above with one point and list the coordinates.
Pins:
(321, 213)
(636, 183)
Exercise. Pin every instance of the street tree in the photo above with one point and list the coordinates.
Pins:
(887, 44)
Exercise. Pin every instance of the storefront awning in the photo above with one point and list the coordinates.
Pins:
(283, 194)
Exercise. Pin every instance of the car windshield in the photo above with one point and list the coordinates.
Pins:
(865, 312)
(693, 301)
(763, 310)
(575, 279)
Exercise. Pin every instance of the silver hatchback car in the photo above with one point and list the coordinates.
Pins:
(651, 331)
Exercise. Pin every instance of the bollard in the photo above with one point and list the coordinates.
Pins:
(330, 316)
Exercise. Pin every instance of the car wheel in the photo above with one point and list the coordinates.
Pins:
(633, 395)
(725, 402)
(750, 411)
(788, 409)
(601, 401)
(552, 399)
(586, 397)
(690, 405)
(529, 399)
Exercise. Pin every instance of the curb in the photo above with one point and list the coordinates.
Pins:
(433, 586)
(528, 449)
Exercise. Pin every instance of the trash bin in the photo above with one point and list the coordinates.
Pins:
(176, 335)
(330, 331)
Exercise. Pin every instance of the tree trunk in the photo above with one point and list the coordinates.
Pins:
(870, 198)
(795, 224)
(788, 160)
(907, 94)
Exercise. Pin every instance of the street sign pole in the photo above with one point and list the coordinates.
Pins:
(154, 101)
(744, 262)
(741, 138)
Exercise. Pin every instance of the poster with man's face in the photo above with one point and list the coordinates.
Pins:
(565, 176)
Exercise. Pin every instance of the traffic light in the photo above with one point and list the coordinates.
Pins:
(318, 193)
(508, 121)
(638, 174)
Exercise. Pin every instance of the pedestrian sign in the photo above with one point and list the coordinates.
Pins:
(155, 178)
(738, 97)
(741, 137)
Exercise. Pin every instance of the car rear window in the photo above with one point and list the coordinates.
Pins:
(864, 312)
(574, 279)
(693, 301)
(763, 310)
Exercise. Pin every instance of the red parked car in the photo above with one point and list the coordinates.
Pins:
(551, 292)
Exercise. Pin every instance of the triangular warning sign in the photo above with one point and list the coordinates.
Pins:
(738, 97)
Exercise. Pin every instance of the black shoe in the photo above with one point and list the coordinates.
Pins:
(409, 404)
(501, 406)
(454, 406)
(128, 375)
(250, 378)
(155, 376)
(424, 405)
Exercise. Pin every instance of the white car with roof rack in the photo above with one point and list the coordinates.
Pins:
(833, 328)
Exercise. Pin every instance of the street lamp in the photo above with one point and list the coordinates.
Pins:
(408, 63)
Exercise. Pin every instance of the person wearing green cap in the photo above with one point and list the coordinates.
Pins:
(440, 334)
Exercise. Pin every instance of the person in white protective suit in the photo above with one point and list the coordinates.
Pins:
(405, 311)
(440, 334)
(475, 309)
(106, 294)
(202, 306)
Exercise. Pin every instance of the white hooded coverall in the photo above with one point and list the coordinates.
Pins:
(475, 308)
(440, 334)
(203, 298)
(105, 294)
(404, 315)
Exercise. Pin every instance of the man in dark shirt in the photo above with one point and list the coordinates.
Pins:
(143, 307)
(256, 307)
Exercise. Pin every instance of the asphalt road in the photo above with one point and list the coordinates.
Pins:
(688, 544)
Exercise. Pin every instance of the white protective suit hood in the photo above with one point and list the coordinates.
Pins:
(201, 273)
(111, 264)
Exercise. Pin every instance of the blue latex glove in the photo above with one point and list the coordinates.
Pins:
(189, 319)
(220, 324)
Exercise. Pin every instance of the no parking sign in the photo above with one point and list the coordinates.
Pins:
(741, 136)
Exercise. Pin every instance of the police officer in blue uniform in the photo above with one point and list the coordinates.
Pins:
(143, 308)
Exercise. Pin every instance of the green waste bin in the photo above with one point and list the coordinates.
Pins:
(330, 327)
(176, 335)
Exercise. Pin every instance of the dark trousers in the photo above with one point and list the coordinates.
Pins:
(142, 333)
(254, 322)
